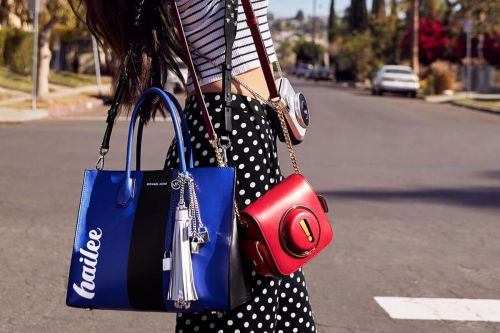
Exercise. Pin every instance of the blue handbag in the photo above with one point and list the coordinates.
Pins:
(157, 240)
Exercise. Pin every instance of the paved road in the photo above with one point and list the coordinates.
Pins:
(414, 190)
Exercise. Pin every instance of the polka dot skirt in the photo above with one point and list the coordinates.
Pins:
(278, 305)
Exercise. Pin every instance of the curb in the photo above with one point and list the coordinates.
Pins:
(476, 108)
(19, 116)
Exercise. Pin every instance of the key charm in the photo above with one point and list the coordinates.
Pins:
(196, 244)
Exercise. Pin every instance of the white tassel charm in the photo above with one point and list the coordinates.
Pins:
(188, 236)
(182, 290)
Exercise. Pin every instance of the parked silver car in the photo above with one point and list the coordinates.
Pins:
(303, 70)
(323, 74)
(395, 78)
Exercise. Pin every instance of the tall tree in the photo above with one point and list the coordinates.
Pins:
(331, 30)
(378, 9)
(331, 23)
(358, 15)
(53, 12)
(415, 30)
(300, 15)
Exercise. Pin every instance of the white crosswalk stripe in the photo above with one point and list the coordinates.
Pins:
(441, 308)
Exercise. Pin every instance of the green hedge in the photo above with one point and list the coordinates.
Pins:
(16, 50)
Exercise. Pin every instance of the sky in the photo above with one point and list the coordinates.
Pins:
(288, 8)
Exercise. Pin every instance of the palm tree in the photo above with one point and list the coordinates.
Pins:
(415, 28)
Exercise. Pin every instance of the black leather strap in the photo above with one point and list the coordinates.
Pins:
(113, 112)
(230, 26)
(122, 84)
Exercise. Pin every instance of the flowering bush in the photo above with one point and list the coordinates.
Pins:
(432, 40)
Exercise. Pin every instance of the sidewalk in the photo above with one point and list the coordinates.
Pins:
(17, 109)
(473, 101)
(460, 95)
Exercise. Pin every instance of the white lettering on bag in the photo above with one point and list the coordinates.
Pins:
(89, 260)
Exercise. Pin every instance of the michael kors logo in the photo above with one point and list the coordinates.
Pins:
(157, 184)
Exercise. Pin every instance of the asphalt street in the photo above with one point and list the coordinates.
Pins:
(414, 192)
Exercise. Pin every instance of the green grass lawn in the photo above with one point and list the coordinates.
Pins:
(70, 79)
(494, 105)
(11, 80)
(14, 81)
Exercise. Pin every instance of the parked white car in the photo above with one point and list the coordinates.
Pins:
(395, 78)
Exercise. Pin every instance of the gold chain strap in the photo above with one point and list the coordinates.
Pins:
(278, 106)
(218, 151)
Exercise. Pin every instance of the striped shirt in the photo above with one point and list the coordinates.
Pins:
(203, 22)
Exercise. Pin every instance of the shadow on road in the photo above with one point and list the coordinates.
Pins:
(479, 197)
(491, 174)
(367, 93)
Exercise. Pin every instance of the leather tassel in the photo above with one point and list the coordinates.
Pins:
(182, 290)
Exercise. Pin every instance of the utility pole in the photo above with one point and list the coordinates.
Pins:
(35, 55)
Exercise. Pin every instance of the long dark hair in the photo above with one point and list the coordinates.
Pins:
(156, 45)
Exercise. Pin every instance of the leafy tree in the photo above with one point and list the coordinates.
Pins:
(491, 48)
(357, 57)
(286, 53)
(308, 52)
(486, 18)
(358, 15)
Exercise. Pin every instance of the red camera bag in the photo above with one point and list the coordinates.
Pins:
(286, 228)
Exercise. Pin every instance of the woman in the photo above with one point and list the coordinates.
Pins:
(277, 304)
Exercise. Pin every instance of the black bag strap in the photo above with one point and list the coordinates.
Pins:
(230, 29)
(120, 89)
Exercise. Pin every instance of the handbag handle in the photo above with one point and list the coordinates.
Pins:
(185, 133)
(126, 193)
